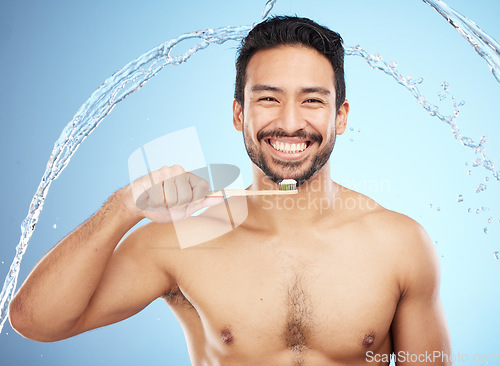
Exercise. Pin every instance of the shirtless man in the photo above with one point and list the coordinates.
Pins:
(344, 282)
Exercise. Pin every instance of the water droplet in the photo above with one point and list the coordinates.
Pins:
(485, 229)
(497, 255)
(478, 211)
(445, 86)
(469, 209)
(484, 208)
(54, 226)
(466, 163)
(430, 205)
(393, 65)
(490, 220)
(441, 96)
(359, 129)
(486, 179)
(469, 172)
(351, 139)
(481, 187)
(352, 128)
(3, 262)
(438, 209)
(476, 163)
(460, 198)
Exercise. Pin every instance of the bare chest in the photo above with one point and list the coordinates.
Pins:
(287, 296)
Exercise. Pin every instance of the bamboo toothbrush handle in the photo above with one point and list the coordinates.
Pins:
(242, 192)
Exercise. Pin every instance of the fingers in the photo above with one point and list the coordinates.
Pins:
(169, 187)
(199, 186)
(156, 197)
(184, 190)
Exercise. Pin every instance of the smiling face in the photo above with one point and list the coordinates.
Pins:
(289, 120)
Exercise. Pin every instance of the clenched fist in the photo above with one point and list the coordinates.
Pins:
(167, 195)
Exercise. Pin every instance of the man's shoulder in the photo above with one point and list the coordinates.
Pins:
(396, 230)
(400, 241)
(385, 226)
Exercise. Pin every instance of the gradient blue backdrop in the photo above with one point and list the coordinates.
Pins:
(55, 54)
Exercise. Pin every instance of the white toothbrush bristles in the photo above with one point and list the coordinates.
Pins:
(288, 185)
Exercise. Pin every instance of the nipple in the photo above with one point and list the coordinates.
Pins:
(368, 340)
(226, 336)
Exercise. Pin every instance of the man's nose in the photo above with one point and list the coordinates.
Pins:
(291, 118)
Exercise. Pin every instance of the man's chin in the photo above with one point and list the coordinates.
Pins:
(277, 175)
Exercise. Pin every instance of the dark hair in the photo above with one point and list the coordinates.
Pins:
(291, 30)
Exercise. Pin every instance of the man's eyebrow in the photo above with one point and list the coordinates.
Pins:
(317, 89)
(264, 87)
(314, 89)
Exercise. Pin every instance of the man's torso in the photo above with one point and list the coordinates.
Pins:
(308, 295)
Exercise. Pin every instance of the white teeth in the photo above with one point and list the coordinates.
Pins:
(289, 148)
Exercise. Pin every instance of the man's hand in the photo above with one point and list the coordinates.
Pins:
(167, 195)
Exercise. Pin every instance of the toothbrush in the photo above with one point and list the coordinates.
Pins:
(286, 186)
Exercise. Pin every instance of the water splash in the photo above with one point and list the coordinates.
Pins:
(267, 8)
(376, 62)
(484, 45)
(481, 187)
(134, 75)
(124, 82)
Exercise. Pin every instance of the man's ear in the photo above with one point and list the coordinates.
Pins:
(237, 116)
(341, 119)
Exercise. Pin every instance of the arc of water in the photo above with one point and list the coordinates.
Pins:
(485, 46)
(267, 8)
(376, 62)
(124, 82)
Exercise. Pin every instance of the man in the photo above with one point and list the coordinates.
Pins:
(323, 277)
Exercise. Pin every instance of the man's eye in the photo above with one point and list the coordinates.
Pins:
(267, 99)
(312, 100)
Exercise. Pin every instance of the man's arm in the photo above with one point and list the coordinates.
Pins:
(419, 329)
(86, 281)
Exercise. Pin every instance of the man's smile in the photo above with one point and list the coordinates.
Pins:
(289, 148)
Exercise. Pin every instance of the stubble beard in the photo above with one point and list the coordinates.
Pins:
(280, 169)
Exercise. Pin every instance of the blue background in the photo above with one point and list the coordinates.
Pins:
(55, 54)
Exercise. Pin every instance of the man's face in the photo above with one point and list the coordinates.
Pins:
(289, 121)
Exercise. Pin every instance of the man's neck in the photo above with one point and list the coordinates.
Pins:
(315, 199)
